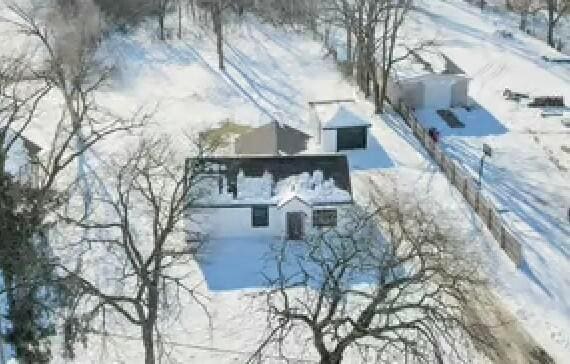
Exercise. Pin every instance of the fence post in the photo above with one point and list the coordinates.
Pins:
(477, 200)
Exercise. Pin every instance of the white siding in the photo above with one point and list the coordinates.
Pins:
(235, 222)
(314, 124)
(329, 141)
(437, 92)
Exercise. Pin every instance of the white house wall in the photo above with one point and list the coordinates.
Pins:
(413, 93)
(235, 222)
(329, 140)
(314, 124)
(437, 94)
(437, 91)
(460, 93)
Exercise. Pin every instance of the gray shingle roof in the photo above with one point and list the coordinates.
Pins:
(272, 139)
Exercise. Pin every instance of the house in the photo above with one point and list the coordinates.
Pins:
(339, 125)
(428, 81)
(20, 157)
(272, 139)
(273, 197)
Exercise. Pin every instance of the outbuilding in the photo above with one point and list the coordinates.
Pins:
(339, 125)
(273, 138)
(429, 81)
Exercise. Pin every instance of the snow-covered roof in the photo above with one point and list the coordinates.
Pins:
(424, 64)
(315, 180)
(341, 115)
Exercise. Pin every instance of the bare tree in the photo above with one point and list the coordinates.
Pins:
(151, 191)
(418, 299)
(292, 12)
(525, 8)
(70, 69)
(556, 10)
(124, 12)
(161, 9)
(217, 8)
(376, 26)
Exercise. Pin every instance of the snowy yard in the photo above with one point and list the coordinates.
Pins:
(235, 264)
(527, 176)
(272, 74)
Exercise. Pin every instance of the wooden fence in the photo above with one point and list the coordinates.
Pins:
(468, 187)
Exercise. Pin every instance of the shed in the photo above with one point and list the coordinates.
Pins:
(429, 81)
(340, 125)
(272, 139)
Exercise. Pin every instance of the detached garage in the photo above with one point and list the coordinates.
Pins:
(340, 126)
(433, 82)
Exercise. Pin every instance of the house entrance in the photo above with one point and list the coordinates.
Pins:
(295, 226)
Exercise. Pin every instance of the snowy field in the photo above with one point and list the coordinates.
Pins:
(529, 175)
(272, 74)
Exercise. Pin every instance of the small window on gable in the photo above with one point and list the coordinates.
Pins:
(259, 216)
(324, 218)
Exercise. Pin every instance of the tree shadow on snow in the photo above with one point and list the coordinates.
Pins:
(519, 197)
(237, 264)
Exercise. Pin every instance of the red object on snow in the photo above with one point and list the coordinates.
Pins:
(434, 134)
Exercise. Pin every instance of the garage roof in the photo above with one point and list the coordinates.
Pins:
(273, 139)
(426, 63)
(342, 115)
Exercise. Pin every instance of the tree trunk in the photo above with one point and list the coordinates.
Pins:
(217, 17)
(179, 19)
(375, 87)
(152, 315)
(330, 360)
(524, 20)
(161, 25)
(383, 90)
(367, 83)
(360, 63)
(348, 42)
(551, 23)
(148, 342)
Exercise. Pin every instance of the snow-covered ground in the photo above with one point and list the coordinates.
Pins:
(273, 74)
(529, 175)
(536, 25)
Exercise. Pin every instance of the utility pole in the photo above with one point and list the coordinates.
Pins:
(487, 152)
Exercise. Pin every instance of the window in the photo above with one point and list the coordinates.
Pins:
(259, 216)
(351, 138)
(324, 218)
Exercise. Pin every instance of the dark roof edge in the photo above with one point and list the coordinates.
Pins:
(270, 204)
